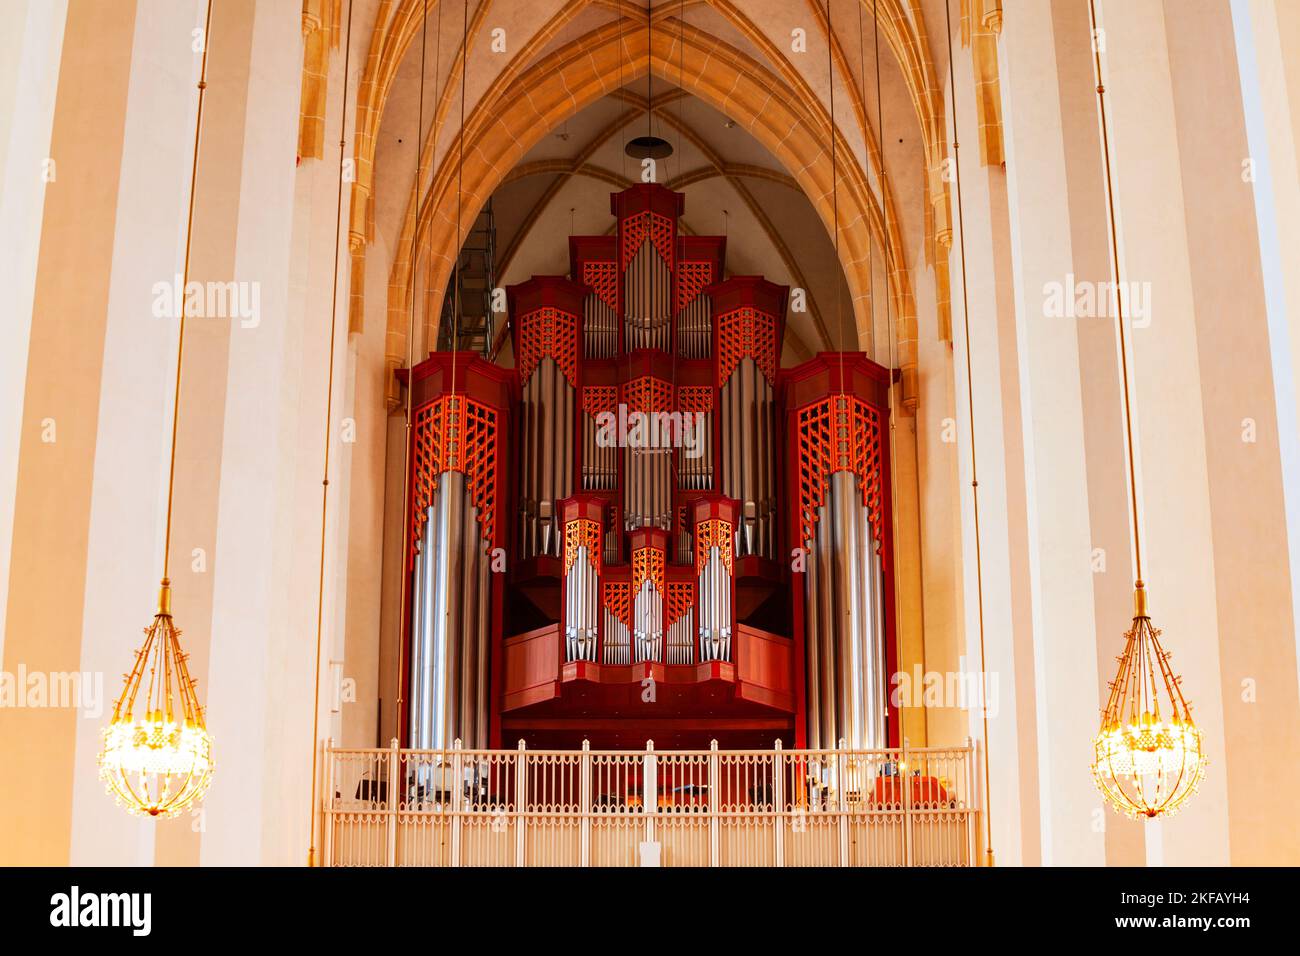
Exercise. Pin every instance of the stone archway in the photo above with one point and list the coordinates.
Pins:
(499, 133)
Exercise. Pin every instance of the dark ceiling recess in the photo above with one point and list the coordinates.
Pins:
(649, 147)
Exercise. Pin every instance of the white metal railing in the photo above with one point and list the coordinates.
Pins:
(458, 807)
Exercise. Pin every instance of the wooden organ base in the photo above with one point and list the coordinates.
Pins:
(746, 702)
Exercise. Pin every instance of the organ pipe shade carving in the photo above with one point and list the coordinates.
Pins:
(746, 332)
(642, 225)
(550, 332)
(454, 433)
(839, 433)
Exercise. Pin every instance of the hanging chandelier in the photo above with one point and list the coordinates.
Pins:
(1148, 756)
(156, 753)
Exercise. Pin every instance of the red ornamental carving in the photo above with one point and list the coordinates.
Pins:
(839, 433)
(681, 598)
(648, 395)
(603, 279)
(647, 563)
(582, 532)
(599, 398)
(642, 224)
(548, 331)
(692, 277)
(695, 398)
(454, 433)
(742, 332)
(617, 598)
(710, 532)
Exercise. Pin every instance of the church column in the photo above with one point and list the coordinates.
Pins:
(1246, 433)
(1059, 542)
(56, 445)
(264, 585)
(30, 53)
(1012, 743)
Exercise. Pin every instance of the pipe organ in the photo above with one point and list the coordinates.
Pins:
(627, 557)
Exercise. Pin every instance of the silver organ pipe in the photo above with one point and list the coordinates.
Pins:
(681, 636)
(449, 618)
(844, 617)
(648, 495)
(599, 459)
(617, 646)
(695, 465)
(748, 438)
(600, 328)
(695, 328)
(647, 297)
(715, 608)
(546, 417)
(648, 623)
(581, 607)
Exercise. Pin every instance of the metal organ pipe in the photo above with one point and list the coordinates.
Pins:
(695, 328)
(648, 500)
(600, 328)
(580, 608)
(648, 623)
(680, 638)
(647, 288)
(449, 618)
(546, 473)
(715, 608)
(617, 650)
(748, 446)
(844, 618)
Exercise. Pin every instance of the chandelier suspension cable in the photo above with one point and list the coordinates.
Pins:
(866, 140)
(674, 313)
(1145, 763)
(325, 467)
(622, 40)
(649, 73)
(410, 356)
(456, 315)
(160, 762)
(974, 473)
(164, 597)
(1119, 303)
(891, 335)
(650, 319)
(835, 188)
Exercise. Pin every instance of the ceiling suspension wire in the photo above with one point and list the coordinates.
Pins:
(410, 362)
(1145, 764)
(866, 139)
(891, 334)
(325, 466)
(974, 474)
(457, 316)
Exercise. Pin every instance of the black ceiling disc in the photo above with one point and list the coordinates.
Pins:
(649, 147)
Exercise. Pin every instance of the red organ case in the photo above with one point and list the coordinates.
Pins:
(647, 529)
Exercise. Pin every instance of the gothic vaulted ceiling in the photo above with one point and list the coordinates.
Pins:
(777, 137)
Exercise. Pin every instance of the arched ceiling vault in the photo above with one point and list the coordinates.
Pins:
(715, 167)
(553, 73)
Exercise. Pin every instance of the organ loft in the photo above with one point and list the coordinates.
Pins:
(569, 580)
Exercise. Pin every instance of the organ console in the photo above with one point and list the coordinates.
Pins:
(693, 543)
